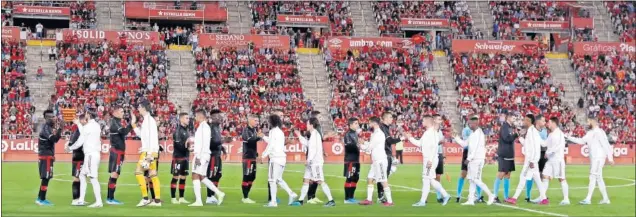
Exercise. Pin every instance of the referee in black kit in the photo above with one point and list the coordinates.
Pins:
(506, 155)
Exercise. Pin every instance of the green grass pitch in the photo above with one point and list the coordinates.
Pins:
(20, 185)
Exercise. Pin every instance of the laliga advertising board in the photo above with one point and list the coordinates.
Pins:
(26, 150)
(133, 37)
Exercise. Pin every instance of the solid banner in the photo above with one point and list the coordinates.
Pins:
(421, 22)
(300, 19)
(543, 25)
(582, 23)
(206, 11)
(26, 150)
(260, 41)
(345, 43)
(602, 47)
(485, 46)
(10, 33)
(41, 10)
(133, 37)
(171, 14)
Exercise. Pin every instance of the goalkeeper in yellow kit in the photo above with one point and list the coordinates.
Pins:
(149, 154)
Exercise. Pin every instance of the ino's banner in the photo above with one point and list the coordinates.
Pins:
(132, 37)
(26, 150)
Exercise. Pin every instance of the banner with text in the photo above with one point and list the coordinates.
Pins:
(206, 11)
(260, 41)
(41, 10)
(603, 47)
(543, 25)
(406, 22)
(485, 46)
(133, 37)
(10, 33)
(345, 43)
(582, 23)
(300, 19)
(26, 150)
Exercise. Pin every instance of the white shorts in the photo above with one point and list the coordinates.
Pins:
(474, 169)
(429, 172)
(527, 173)
(378, 171)
(555, 169)
(202, 168)
(275, 171)
(596, 166)
(314, 172)
(90, 167)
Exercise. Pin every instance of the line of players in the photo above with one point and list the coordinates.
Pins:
(207, 150)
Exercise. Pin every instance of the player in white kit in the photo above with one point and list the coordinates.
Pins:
(430, 145)
(532, 151)
(600, 149)
(315, 160)
(379, 165)
(201, 152)
(91, 143)
(555, 166)
(476, 144)
(275, 150)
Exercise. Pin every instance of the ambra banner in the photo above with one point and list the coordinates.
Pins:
(26, 150)
(344, 42)
(41, 10)
(603, 47)
(485, 46)
(133, 37)
(261, 41)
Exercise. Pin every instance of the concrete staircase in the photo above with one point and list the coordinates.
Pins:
(363, 19)
(41, 90)
(315, 82)
(603, 27)
(110, 15)
(239, 17)
(482, 17)
(447, 93)
(563, 73)
(181, 79)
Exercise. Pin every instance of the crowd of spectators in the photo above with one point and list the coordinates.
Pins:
(507, 14)
(609, 83)
(623, 17)
(371, 80)
(264, 17)
(97, 76)
(17, 110)
(388, 14)
(494, 84)
(242, 81)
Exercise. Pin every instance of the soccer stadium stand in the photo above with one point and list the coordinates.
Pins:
(16, 102)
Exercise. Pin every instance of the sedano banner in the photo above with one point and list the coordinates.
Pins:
(485, 46)
(543, 25)
(346, 43)
(41, 10)
(26, 150)
(260, 41)
(10, 33)
(133, 37)
(300, 19)
(207, 11)
(591, 48)
(421, 22)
